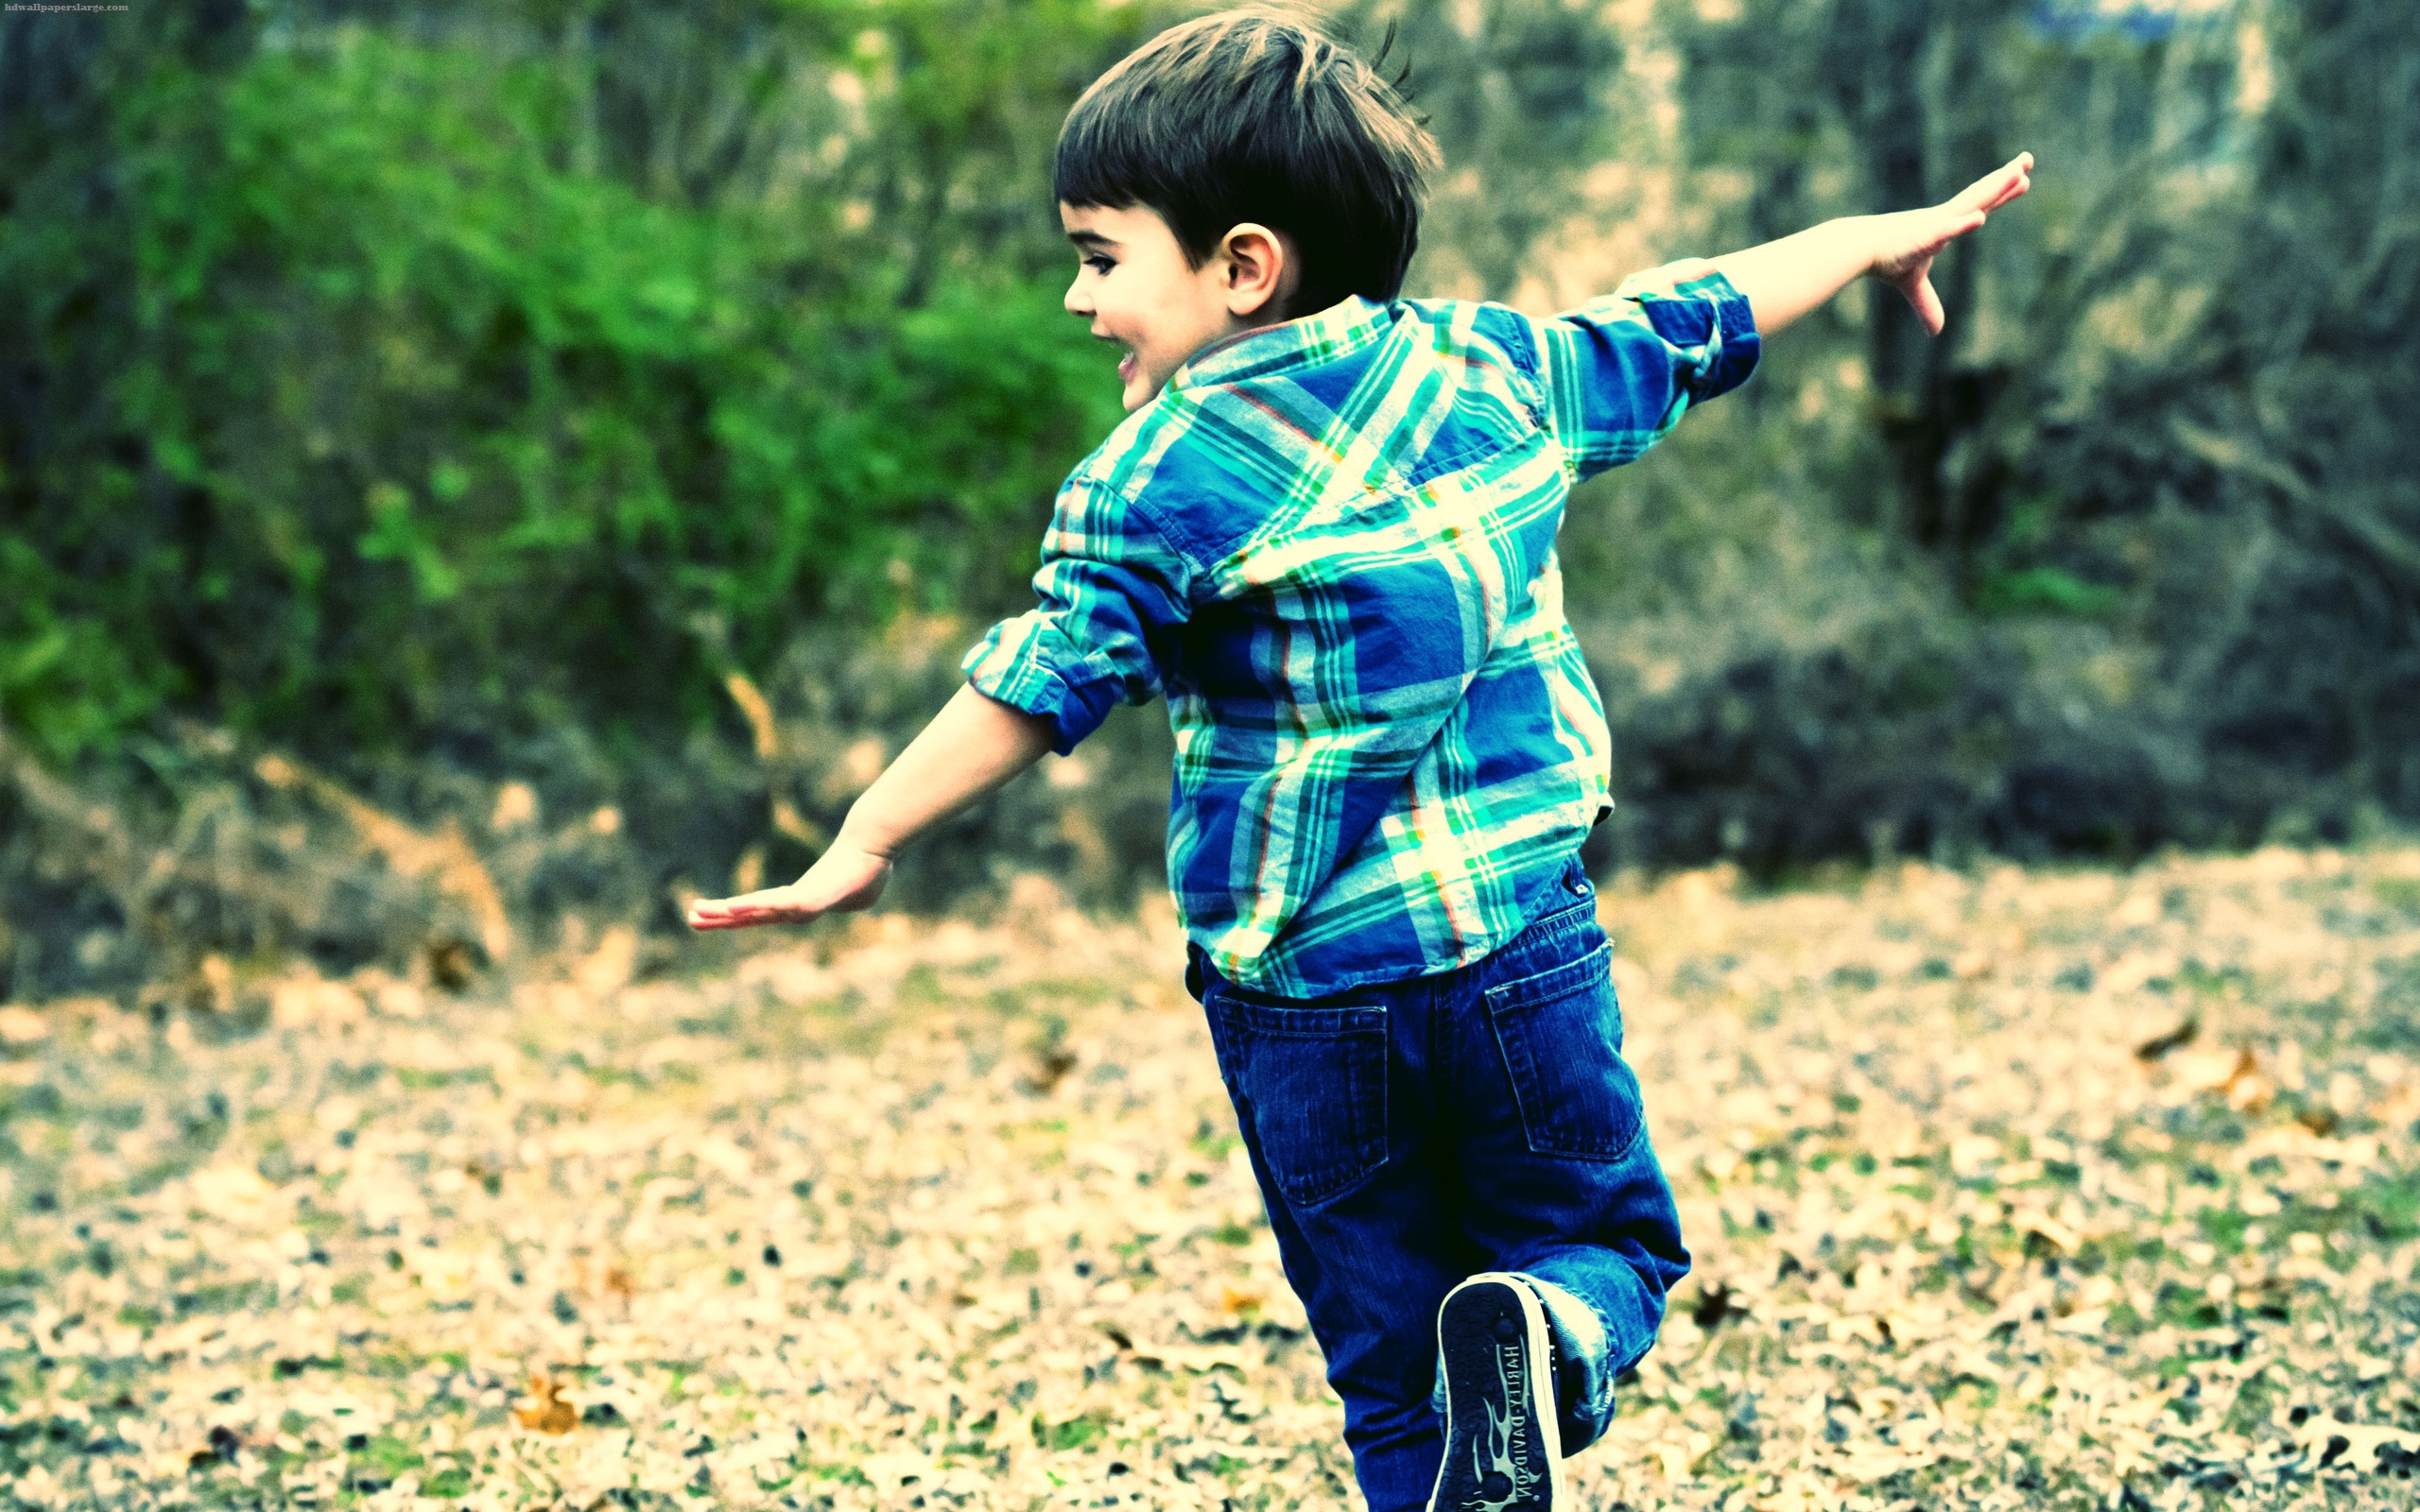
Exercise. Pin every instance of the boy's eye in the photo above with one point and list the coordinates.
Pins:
(1099, 264)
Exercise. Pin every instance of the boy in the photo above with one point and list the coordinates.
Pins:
(1326, 532)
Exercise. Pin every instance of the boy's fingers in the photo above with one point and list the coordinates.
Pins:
(1927, 302)
(763, 898)
(768, 906)
(1994, 190)
(748, 918)
(748, 921)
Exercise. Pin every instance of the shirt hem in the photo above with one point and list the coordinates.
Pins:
(1470, 956)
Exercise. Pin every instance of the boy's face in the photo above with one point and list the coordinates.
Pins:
(1134, 286)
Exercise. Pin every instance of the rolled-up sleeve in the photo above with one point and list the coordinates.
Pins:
(1112, 591)
(1621, 370)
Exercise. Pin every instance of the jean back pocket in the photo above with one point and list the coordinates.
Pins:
(1313, 1083)
(1561, 1034)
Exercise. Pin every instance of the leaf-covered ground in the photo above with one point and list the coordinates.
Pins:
(2064, 1190)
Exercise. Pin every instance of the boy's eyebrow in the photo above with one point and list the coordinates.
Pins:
(1090, 239)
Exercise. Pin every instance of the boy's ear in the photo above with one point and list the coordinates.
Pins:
(1263, 272)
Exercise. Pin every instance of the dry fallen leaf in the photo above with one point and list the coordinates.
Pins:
(2160, 1044)
(1232, 1300)
(548, 1412)
(1050, 1065)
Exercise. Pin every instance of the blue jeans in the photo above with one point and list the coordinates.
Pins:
(1410, 1134)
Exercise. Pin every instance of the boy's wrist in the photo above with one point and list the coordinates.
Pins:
(861, 834)
(1865, 232)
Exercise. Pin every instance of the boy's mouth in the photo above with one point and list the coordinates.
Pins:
(1126, 367)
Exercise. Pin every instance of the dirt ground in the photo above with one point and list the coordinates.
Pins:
(2062, 1189)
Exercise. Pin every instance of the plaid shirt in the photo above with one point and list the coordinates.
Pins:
(1330, 544)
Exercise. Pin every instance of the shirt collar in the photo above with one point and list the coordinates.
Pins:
(1340, 328)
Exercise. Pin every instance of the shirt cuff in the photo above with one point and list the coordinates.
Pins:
(1011, 665)
(1708, 322)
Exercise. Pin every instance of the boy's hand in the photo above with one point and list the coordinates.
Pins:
(1781, 281)
(971, 746)
(1908, 242)
(843, 879)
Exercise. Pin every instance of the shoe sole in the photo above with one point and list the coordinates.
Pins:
(1492, 1330)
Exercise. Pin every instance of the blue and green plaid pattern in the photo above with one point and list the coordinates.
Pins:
(1330, 545)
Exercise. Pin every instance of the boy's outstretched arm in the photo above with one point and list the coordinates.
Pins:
(973, 746)
(1785, 279)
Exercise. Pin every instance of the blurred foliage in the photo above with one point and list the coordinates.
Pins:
(2127, 557)
(1523, 98)
(381, 385)
(453, 394)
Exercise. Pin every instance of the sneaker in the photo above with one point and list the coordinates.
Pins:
(1503, 1453)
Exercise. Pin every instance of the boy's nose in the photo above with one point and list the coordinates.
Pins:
(1075, 302)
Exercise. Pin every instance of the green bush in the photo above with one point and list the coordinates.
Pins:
(368, 421)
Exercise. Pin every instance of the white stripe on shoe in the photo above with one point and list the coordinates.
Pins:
(1503, 1448)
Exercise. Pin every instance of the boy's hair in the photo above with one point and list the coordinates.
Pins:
(1256, 116)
